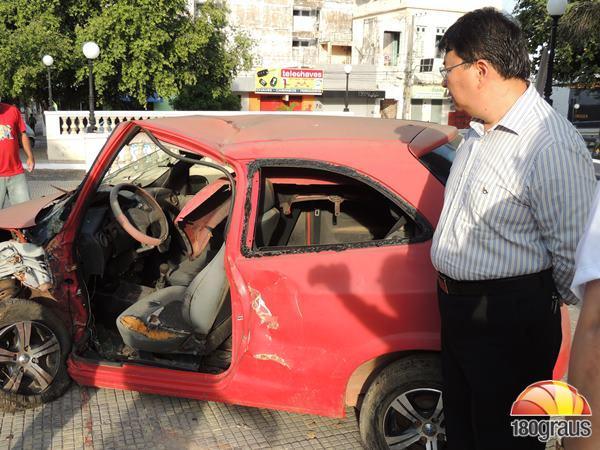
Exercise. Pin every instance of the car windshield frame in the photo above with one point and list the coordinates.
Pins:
(147, 163)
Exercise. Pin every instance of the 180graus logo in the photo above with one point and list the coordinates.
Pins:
(567, 412)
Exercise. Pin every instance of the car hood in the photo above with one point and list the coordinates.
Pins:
(23, 215)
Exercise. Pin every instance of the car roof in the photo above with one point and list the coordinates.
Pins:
(230, 134)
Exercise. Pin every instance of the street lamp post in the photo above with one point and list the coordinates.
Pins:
(556, 8)
(348, 70)
(91, 52)
(48, 61)
(576, 106)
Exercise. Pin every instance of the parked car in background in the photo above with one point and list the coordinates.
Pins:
(275, 261)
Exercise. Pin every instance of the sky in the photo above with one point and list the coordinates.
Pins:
(508, 5)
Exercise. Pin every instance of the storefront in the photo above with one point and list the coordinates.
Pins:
(285, 89)
(321, 90)
(429, 103)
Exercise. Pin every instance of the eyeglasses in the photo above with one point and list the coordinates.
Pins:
(444, 71)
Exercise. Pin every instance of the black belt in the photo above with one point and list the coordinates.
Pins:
(498, 285)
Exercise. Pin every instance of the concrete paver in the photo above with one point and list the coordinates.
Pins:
(102, 418)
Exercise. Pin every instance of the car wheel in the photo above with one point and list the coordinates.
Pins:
(34, 345)
(403, 408)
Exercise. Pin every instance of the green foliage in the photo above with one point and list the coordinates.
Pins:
(28, 30)
(226, 51)
(577, 59)
(146, 47)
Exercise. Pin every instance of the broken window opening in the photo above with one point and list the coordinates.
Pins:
(304, 207)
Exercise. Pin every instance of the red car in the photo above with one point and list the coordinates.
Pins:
(269, 260)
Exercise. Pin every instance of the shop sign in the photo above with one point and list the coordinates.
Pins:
(288, 81)
(370, 94)
(429, 92)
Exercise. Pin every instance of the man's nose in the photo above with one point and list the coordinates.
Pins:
(445, 82)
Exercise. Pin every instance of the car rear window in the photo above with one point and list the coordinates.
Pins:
(439, 161)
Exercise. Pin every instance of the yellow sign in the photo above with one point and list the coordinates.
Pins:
(288, 81)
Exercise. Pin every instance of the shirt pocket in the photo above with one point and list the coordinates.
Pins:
(495, 205)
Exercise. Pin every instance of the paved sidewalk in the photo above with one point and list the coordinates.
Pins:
(87, 418)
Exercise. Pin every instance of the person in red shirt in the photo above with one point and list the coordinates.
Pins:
(13, 183)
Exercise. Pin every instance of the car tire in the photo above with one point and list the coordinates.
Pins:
(34, 346)
(403, 406)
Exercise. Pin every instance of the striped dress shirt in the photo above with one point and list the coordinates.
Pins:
(517, 198)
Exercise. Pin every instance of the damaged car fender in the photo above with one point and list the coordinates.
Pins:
(25, 262)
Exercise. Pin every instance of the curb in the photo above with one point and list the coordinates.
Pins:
(61, 166)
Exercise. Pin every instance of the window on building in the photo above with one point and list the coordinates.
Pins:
(297, 42)
(305, 12)
(391, 48)
(439, 33)
(341, 54)
(421, 29)
(426, 65)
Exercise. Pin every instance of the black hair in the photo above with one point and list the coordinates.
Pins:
(489, 34)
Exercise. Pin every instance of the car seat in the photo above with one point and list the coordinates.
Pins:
(166, 320)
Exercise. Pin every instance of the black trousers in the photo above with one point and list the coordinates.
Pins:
(493, 347)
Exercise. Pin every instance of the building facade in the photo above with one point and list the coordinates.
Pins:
(400, 37)
(312, 37)
(390, 46)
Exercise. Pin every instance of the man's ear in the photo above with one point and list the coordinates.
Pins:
(483, 71)
(483, 68)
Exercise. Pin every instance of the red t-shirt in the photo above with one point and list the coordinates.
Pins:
(11, 125)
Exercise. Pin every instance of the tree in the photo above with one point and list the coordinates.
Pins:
(28, 30)
(578, 44)
(211, 89)
(147, 47)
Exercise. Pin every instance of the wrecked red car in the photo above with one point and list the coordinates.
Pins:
(275, 261)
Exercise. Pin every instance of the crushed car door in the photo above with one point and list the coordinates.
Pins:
(338, 272)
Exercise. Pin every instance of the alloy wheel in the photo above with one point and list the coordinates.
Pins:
(415, 420)
(29, 358)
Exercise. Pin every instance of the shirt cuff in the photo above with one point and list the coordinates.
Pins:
(584, 275)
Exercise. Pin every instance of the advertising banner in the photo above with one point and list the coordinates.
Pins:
(288, 81)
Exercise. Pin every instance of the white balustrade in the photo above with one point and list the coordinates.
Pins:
(69, 141)
(68, 138)
(76, 122)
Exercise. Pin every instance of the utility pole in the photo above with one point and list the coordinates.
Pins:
(408, 70)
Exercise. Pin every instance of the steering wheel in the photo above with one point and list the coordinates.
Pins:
(149, 205)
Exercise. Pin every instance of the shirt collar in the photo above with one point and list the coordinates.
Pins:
(515, 119)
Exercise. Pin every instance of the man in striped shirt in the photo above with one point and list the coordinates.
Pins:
(515, 206)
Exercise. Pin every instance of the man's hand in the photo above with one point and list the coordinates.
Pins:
(30, 164)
